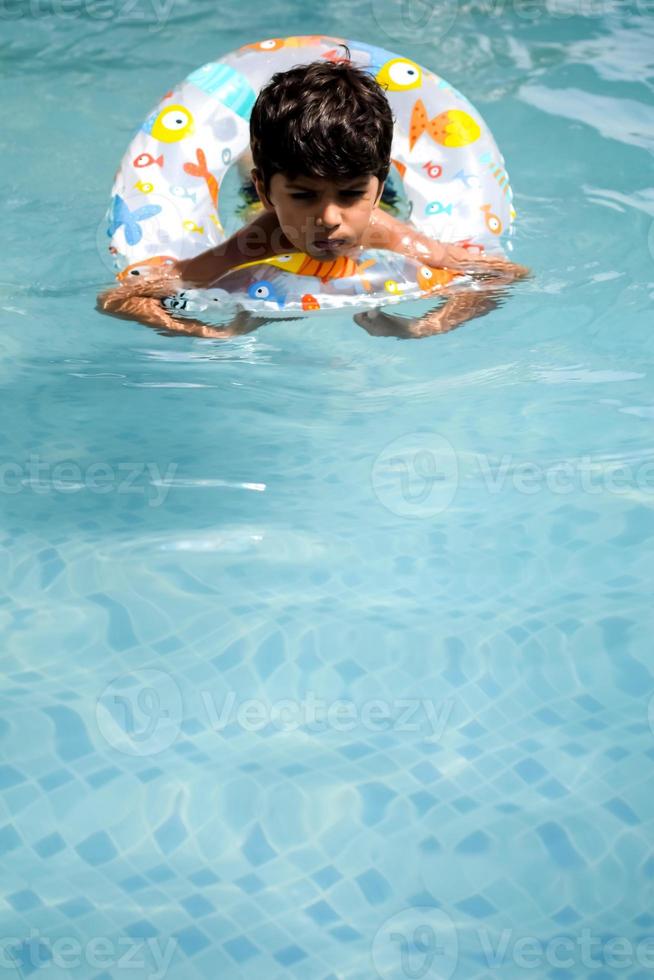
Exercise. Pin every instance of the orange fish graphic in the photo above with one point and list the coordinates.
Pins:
(200, 169)
(338, 268)
(141, 268)
(310, 302)
(302, 264)
(429, 277)
(493, 223)
(276, 43)
(450, 128)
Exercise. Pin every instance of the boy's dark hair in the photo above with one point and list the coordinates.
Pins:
(322, 119)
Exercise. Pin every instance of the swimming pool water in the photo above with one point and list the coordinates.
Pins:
(324, 655)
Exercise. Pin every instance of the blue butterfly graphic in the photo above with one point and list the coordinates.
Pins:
(121, 215)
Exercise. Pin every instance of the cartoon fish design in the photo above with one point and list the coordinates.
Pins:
(183, 193)
(226, 85)
(122, 217)
(201, 170)
(429, 277)
(437, 207)
(301, 264)
(400, 75)
(310, 302)
(145, 266)
(146, 160)
(144, 186)
(394, 287)
(468, 180)
(263, 289)
(277, 43)
(172, 124)
(451, 128)
(493, 223)
(498, 172)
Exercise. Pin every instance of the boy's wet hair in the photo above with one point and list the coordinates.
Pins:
(324, 119)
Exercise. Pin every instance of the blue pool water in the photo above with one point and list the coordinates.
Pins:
(328, 656)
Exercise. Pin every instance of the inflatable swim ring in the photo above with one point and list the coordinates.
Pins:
(184, 184)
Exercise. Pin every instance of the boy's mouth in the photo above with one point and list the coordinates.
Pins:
(329, 244)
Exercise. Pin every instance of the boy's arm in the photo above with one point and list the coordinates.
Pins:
(387, 232)
(140, 298)
(459, 308)
(149, 311)
(124, 302)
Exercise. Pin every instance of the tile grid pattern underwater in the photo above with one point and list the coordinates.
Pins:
(265, 713)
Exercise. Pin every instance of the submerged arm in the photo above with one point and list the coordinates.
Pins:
(140, 298)
(459, 308)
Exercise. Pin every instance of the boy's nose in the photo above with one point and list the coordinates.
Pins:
(329, 215)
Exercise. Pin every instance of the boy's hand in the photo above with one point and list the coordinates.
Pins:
(456, 257)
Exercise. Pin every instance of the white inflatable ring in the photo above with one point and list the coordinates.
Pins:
(181, 187)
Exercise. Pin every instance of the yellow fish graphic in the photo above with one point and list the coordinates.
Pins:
(301, 264)
(172, 124)
(399, 75)
(454, 127)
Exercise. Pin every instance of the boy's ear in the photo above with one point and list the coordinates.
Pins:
(258, 186)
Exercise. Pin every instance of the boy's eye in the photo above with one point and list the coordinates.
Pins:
(304, 196)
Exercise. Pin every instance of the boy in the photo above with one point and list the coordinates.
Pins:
(320, 138)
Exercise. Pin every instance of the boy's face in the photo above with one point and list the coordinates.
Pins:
(313, 210)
